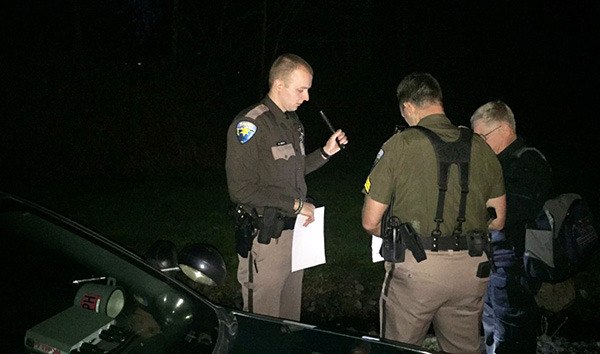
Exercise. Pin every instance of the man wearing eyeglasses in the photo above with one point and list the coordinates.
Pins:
(445, 289)
(510, 315)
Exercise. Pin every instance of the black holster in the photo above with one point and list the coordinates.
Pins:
(399, 237)
(270, 225)
(245, 230)
(392, 247)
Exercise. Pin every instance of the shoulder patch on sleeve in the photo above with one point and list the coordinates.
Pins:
(377, 158)
(367, 185)
(256, 111)
(245, 131)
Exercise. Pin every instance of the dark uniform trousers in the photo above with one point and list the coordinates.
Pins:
(442, 290)
(267, 288)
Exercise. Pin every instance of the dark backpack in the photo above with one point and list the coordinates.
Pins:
(562, 240)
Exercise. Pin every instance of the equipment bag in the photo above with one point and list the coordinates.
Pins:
(562, 240)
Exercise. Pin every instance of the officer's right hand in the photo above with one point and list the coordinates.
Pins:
(308, 210)
(336, 141)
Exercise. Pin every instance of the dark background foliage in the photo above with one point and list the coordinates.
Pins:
(128, 88)
(134, 89)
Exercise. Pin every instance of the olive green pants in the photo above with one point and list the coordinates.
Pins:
(269, 287)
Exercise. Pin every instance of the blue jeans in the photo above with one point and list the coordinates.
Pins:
(510, 313)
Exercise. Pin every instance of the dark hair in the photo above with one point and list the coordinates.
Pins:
(419, 88)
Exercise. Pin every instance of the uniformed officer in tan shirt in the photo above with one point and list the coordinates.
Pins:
(266, 163)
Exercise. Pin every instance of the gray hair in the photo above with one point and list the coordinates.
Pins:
(495, 112)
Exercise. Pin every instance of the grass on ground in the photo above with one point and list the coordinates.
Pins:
(187, 208)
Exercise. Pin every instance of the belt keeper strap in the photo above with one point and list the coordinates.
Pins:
(445, 243)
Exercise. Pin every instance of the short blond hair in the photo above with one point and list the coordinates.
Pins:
(285, 65)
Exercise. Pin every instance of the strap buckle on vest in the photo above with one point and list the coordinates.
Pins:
(435, 234)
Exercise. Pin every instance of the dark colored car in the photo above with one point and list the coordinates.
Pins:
(67, 289)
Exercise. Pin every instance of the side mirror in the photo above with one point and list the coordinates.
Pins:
(200, 262)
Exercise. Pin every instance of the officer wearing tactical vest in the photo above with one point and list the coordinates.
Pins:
(266, 164)
(438, 187)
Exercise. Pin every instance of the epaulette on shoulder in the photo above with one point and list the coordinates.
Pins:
(256, 111)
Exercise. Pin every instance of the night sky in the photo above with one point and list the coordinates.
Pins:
(96, 87)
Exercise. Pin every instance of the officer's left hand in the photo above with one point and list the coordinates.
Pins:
(334, 142)
(308, 210)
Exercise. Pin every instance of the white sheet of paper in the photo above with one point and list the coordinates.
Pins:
(308, 246)
(375, 247)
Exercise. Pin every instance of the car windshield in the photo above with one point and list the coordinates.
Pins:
(64, 287)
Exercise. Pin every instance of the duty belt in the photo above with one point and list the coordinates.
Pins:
(446, 243)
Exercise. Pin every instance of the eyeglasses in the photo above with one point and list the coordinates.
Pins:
(485, 136)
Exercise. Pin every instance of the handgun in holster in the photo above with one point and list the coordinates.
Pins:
(392, 247)
(270, 225)
(397, 238)
(245, 225)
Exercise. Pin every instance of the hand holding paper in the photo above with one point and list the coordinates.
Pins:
(308, 246)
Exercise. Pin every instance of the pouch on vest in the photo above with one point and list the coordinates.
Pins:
(478, 243)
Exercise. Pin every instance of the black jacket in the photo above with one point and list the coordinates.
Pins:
(527, 179)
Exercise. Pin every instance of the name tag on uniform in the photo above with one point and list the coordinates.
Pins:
(283, 152)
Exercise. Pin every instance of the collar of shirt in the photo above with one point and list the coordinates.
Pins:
(510, 149)
(435, 121)
(277, 113)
